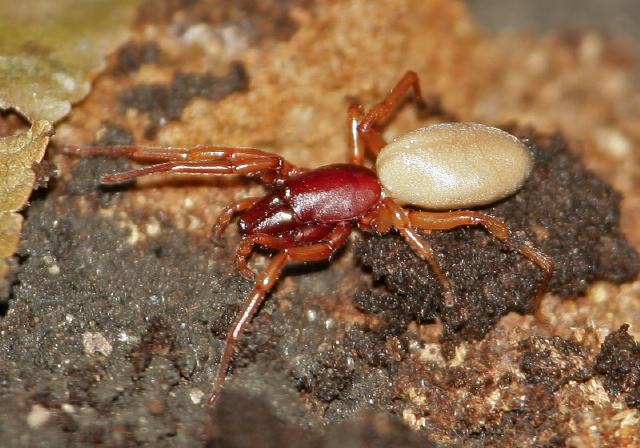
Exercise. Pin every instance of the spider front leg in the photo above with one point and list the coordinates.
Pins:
(450, 220)
(266, 281)
(226, 215)
(245, 248)
(197, 160)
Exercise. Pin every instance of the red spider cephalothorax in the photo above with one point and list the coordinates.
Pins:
(307, 215)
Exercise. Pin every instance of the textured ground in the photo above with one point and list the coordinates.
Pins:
(121, 303)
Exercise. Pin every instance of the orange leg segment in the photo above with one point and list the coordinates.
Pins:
(389, 215)
(402, 222)
(198, 167)
(356, 144)
(249, 242)
(266, 281)
(161, 154)
(365, 124)
(369, 134)
(197, 160)
(227, 214)
(449, 220)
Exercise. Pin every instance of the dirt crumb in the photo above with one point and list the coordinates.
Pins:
(619, 363)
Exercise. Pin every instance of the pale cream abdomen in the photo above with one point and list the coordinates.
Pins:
(453, 166)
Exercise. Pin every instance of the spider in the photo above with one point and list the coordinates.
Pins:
(308, 214)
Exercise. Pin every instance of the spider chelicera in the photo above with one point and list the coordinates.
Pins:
(308, 214)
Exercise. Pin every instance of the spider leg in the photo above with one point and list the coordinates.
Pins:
(371, 136)
(250, 241)
(163, 154)
(226, 216)
(366, 123)
(499, 229)
(198, 167)
(356, 144)
(266, 281)
(197, 160)
(389, 215)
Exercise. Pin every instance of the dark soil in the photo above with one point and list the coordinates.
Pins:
(580, 215)
(111, 342)
(113, 332)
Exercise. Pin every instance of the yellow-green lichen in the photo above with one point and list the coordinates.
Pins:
(49, 51)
